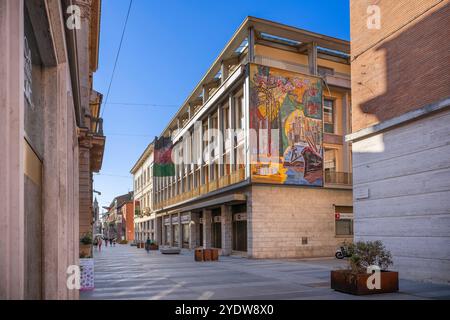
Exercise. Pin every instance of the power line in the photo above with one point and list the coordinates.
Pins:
(129, 135)
(117, 56)
(113, 175)
(143, 104)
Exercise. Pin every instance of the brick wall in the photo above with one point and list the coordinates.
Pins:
(129, 220)
(279, 216)
(404, 65)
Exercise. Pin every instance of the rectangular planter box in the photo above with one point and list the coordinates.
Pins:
(214, 254)
(198, 254)
(344, 281)
(87, 274)
(206, 254)
(154, 247)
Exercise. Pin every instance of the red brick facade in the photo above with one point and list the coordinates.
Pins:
(128, 217)
(404, 65)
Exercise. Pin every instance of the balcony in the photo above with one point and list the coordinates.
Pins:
(204, 189)
(344, 179)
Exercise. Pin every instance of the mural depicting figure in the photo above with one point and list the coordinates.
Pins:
(286, 115)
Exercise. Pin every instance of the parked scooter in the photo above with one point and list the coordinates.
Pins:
(342, 252)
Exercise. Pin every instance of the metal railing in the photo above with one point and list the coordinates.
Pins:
(341, 178)
(228, 179)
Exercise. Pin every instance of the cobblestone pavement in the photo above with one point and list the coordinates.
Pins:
(125, 272)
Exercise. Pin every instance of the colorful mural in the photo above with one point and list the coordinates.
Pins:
(286, 118)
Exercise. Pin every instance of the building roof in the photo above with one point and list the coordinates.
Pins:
(263, 28)
(144, 156)
(121, 200)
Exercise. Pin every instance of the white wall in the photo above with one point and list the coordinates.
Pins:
(406, 172)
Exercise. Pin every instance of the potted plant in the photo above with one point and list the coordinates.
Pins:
(86, 244)
(367, 272)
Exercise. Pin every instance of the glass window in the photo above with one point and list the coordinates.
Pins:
(328, 115)
(344, 227)
(330, 160)
(239, 113)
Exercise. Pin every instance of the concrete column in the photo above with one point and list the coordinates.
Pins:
(163, 231)
(207, 228)
(247, 123)
(12, 269)
(180, 231)
(220, 140)
(251, 44)
(312, 58)
(194, 229)
(170, 230)
(345, 130)
(227, 220)
(231, 134)
(157, 228)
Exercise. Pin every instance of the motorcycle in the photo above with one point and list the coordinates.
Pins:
(342, 252)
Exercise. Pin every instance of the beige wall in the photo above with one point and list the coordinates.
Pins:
(279, 216)
(39, 193)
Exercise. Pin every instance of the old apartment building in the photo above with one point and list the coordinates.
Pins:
(50, 142)
(401, 133)
(261, 166)
(144, 219)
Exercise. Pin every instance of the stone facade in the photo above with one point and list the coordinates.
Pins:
(280, 217)
(40, 164)
(401, 116)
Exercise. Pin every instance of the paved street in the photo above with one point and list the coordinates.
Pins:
(125, 272)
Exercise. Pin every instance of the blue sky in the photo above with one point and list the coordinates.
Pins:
(167, 48)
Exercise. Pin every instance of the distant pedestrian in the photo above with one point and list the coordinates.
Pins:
(99, 243)
(106, 242)
(110, 242)
(148, 244)
(114, 242)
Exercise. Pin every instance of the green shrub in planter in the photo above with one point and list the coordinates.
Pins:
(86, 239)
(356, 278)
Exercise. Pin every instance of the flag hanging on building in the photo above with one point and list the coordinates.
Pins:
(163, 165)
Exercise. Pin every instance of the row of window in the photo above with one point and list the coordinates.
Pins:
(144, 178)
(191, 176)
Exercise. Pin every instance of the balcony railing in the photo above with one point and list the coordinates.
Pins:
(226, 180)
(339, 178)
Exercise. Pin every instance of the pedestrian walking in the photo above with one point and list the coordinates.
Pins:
(110, 242)
(147, 244)
(99, 243)
(114, 242)
(106, 242)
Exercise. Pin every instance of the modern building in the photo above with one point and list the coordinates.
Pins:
(144, 219)
(261, 166)
(51, 142)
(401, 132)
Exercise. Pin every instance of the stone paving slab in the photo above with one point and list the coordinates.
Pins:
(125, 272)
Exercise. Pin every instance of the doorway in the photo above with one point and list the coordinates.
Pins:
(239, 228)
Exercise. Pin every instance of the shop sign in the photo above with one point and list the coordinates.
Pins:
(185, 218)
(240, 217)
(344, 216)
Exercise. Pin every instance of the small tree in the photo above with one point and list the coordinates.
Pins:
(369, 253)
